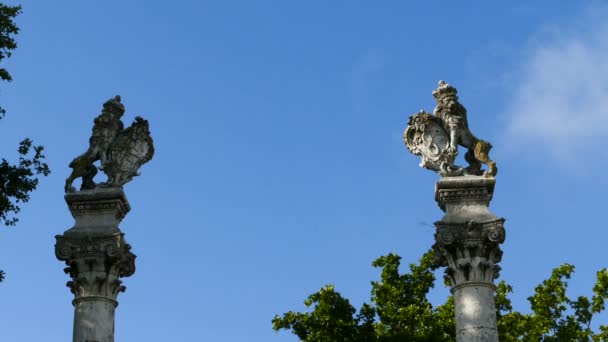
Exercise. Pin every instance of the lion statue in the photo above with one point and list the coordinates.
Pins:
(120, 151)
(106, 127)
(453, 115)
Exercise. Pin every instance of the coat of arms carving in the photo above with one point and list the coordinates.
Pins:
(120, 152)
(436, 137)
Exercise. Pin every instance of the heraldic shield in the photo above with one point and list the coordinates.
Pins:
(426, 137)
(132, 148)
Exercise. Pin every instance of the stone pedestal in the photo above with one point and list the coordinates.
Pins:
(97, 256)
(467, 242)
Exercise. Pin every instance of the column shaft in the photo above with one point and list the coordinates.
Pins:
(475, 313)
(94, 319)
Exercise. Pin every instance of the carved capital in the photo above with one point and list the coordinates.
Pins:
(468, 237)
(469, 250)
(94, 249)
(96, 265)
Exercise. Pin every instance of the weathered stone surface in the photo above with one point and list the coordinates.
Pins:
(436, 137)
(97, 211)
(468, 236)
(121, 152)
(476, 313)
(467, 242)
(97, 256)
(470, 251)
(94, 321)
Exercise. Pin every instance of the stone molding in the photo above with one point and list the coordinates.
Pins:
(473, 283)
(98, 200)
(456, 190)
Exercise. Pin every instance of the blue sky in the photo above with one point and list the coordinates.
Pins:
(279, 163)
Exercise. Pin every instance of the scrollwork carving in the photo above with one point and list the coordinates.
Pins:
(96, 264)
(471, 250)
(496, 235)
(445, 237)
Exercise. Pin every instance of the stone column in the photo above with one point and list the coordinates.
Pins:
(97, 256)
(467, 242)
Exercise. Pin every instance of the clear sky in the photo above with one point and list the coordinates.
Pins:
(279, 163)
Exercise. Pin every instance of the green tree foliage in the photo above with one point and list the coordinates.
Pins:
(554, 316)
(16, 180)
(400, 311)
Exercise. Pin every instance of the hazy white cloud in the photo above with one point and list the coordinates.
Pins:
(560, 102)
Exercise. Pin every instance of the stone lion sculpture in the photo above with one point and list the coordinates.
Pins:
(436, 137)
(120, 151)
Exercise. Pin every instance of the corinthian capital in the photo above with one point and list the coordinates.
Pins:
(94, 249)
(468, 237)
(96, 265)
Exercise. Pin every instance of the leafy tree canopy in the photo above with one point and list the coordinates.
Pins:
(400, 311)
(16, 180)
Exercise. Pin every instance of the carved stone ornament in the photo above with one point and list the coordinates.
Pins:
(470, 251)
(425, 137)
(130, 150)
(96, 265)
(95, 249)
(121, 152)
(468, 237)
(436, 137)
